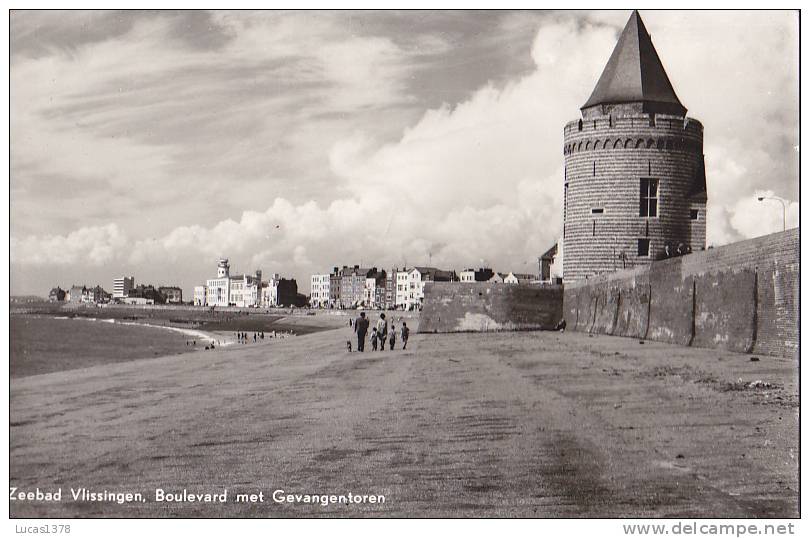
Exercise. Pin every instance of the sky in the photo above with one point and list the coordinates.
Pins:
(153, 143)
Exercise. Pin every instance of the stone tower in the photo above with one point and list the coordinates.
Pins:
(635, 180)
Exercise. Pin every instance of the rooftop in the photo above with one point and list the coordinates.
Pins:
(634, 74)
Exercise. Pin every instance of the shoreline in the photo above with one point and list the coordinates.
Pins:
(206, 337)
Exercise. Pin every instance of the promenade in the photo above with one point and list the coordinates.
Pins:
(533, 424)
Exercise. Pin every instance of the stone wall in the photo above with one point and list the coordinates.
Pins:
(484, 306)
(743, 297)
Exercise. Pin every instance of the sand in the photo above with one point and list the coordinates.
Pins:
(533, 424)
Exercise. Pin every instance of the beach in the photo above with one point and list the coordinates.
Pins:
(528, 424)
(45, 340)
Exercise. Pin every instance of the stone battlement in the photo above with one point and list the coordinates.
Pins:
(637, 132)
(608, 123)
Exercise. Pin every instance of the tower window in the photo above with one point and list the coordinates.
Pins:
(597, 210)
(643, 247)
(648, 198)
(693, 214)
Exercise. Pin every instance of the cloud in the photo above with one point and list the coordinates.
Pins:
(93, 246)
(751, 218)
(462, 183)
(296, 141)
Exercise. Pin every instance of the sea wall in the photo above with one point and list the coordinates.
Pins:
(742, 297)
(484, 306)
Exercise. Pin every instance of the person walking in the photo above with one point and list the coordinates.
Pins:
(361, 327)
(392, 335)
(405, 332)
(374, 339)
(382, 331)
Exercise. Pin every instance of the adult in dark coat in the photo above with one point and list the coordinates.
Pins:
(361, 328)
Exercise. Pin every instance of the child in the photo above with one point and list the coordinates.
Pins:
(405, 332)
(374, 339)
(392, 335)
(349, 345)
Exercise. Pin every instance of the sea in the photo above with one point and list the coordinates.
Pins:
(41, 344)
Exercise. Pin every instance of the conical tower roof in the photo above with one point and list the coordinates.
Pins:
(634, 74)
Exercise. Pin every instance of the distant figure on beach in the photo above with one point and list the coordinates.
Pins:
(262, 335)
(382, 331)
(254, 338)
(405, 332)
(374, 339)
(361, 327)
(392, 335)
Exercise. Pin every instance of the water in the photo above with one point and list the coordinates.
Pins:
(43, 344)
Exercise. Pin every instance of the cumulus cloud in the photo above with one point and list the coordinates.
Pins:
(95, 246)
(325, 153)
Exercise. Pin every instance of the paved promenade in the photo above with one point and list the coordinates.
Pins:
(511, 424)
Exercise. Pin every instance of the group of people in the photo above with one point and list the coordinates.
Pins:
(380, 333)
(243, 337)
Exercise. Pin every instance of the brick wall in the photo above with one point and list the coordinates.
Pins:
(743, 297)
(605, 159)
(485, 306)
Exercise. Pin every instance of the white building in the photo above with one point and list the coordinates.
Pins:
(230, 290)
(401, 290)
(416, 280)
(269, 293)
(200, 296)
(121, 286)
(319, 291)
(497, 277)
(519, 278)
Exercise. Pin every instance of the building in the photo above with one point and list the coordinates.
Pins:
(390, 296)
(57, 294)
(245, 290)
(416, 280)
(200, 295)
(76, 294)
(401, 290)
(334, 288)
(519, 278)
(97, 295)
(550, 264)
(218, 290)
(475, 275)
(172, 294)
(374, 291)
(634, 170)
(230, 290)
(145, 291)
(122, 285)
(497, 278)
(287, 292)
(353, 285)
(319, 291)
